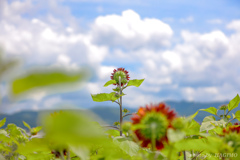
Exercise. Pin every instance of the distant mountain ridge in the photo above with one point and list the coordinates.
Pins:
(111, 114)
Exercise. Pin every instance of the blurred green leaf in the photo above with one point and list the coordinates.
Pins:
(2, 122)
(125, 110)
(101, 97)
(2, 131)
(237, 115)
(117, 89)
(211, 144)
(113, 132)
(234, 103)
(27, 125)
(211, 110)
(109, 83)
(135, 82)
(233, 115)
(209, 119)
(193, 116)
(35, 145)
(35, 130)
(81, 151)
(175, 135)
(129, 147)
(116, 123)
(207, 123)
(192, 128)
(7, 65)
(13, 130)
(72, 128)
(37, 79)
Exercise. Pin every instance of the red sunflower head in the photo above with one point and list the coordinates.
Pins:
(153, 120)
(122, 73)
(232, 129)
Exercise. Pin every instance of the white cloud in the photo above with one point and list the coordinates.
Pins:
(94, 88)
(202, 66)
(173, 58)
(38, 95)
(63, 59)
(51, 102)
(201, 94)
(130, 31)
(104, 72)
(235, 25)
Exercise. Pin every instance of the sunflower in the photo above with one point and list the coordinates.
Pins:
(151, 123)
(122, 73)
(232, 129)
(231, 137)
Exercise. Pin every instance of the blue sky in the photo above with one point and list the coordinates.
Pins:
(185, 50)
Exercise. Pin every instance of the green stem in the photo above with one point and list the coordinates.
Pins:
(135, 138)
(61, 155)
(153, 128)
(120, 104)
(68, 155)
(170, 152)
(230, 121)
(184, 154)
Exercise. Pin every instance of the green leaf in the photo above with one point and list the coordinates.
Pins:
(81, 151)
(13, 130)
(207, 123)
(135, 82)
(113, 132)
(101, 97)
(211, 110)
(27, 125)
(192, 127)
(35, 130)
(211, 144)
(2, 122)
(129, 147)
(125, 110)
(234, 103)
(35, 145)
(72, 127)
(109, 83)
(117, 89)
(2, 131)
(218, 130)
(237, 115)
(43, 78)
(209, 118)
(175, 135)
(233, 115)
(116, 123)
(193, 116)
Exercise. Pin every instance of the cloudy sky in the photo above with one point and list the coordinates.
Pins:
(185, 50)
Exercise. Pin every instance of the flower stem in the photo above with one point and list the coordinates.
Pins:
(120, 104)
(153, 139)
(61, 155)
(184, 154)
(68, 155)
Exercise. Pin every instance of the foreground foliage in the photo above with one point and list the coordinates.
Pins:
(70, 135)
(155, 132)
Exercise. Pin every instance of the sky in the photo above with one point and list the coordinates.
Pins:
(185, 50)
